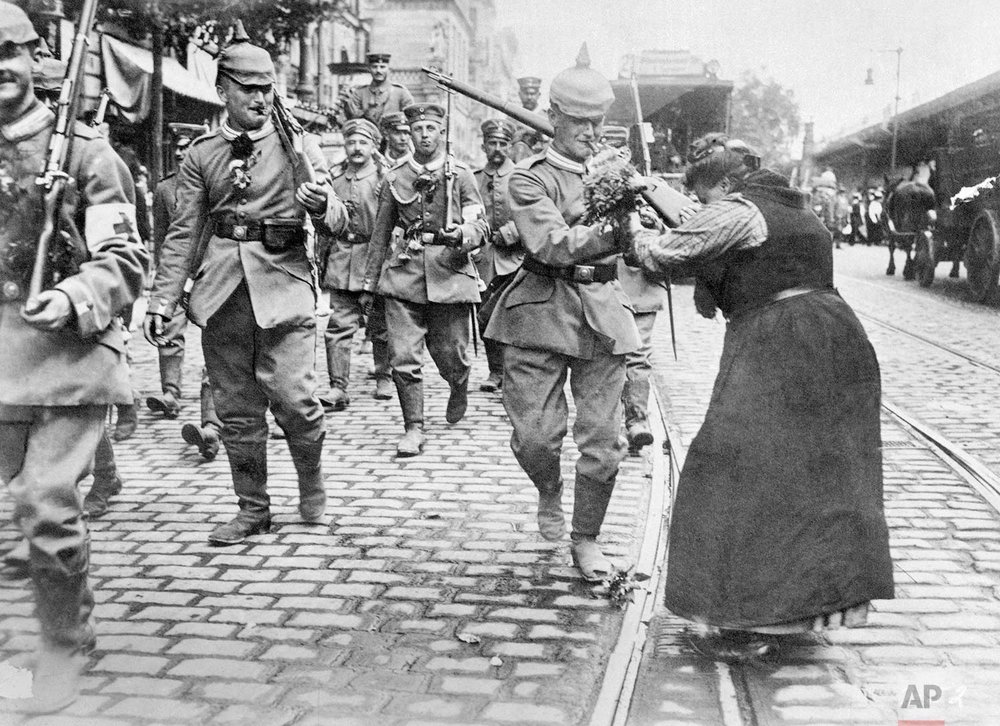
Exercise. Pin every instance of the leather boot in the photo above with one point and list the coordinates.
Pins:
(383, 374)
(248, 463)
(206, 438)
(106, 483)
(458, 400)
(411, 400)
(383, 389)
(64, 605)
(589, 560)
(494, 359)
(170, 381)
(338, 363)
(165, 403)
(127, 421)
(551, 518)
(308, 459)
(635, 396)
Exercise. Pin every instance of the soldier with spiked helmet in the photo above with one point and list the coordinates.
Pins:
(565, 316)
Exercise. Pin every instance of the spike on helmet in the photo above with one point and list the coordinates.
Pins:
(581, 91)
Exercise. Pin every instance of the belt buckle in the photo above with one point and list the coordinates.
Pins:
(583, 273)
(239, 231)
(351, 237)
(11, 291)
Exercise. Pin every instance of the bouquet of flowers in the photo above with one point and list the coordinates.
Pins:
(608, 194)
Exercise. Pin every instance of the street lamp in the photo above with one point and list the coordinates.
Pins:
(870, 81)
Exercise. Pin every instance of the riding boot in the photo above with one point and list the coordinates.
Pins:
(248, 463)
(106, 483)
(307, 456)
(171, 363)
(635, 396)
(127, 421)
(494, 362)
(411, 400)
(383, 375)
(208, 415)
(338, 363)
(64, 604)
(458, 399)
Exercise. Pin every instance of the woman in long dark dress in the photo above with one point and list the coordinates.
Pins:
(778, 526)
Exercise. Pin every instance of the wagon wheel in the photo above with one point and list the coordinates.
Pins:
(924, 260)
(982, 255)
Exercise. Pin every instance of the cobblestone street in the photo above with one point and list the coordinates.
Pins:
(429, 598)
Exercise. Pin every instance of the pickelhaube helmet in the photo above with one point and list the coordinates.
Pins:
(246, 63)
(581, 91)
(15, 26)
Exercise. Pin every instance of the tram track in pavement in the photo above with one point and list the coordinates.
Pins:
(741, 694)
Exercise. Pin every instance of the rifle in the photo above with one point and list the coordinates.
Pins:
(667, 202)
(55, 173)
(449, 193)
(647, 166)
(291, 134)
(102, 108)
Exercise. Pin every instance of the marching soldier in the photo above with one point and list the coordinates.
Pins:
(396, 132)
(565, 315)
(428, 280)
(527, 142)
(500, 258)
(379, 97)
(351, 217)
(647, 293)
(62, 363)
(239, 235)
(171, 355)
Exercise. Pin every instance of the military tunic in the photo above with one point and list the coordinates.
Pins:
(372, 101)
(171, 355)
(351, 217)
(428, 288)
(553, 328)
(256, 305)
(497, 263)
(646, 293)
(55, 386)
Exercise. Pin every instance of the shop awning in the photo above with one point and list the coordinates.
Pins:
(128, 70)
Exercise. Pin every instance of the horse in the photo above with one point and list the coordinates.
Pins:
(907, 216)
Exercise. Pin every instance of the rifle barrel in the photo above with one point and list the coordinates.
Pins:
(52, 178)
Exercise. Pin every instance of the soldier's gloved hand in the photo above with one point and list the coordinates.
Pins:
(312, 196)
(451, 237)
(51, 310)
(367, 302)
(153, 327)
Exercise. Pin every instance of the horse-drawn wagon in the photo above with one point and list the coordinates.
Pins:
(968, 212)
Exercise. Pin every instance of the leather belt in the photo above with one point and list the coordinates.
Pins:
(249, 232)
(573, 273)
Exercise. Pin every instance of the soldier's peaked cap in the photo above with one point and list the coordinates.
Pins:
(246, 63)
(424, 112)
(529, 82)
(364, 127)
(498, 128)
(15, 26)
(378, 57)
(395, 120)
(581, 91)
